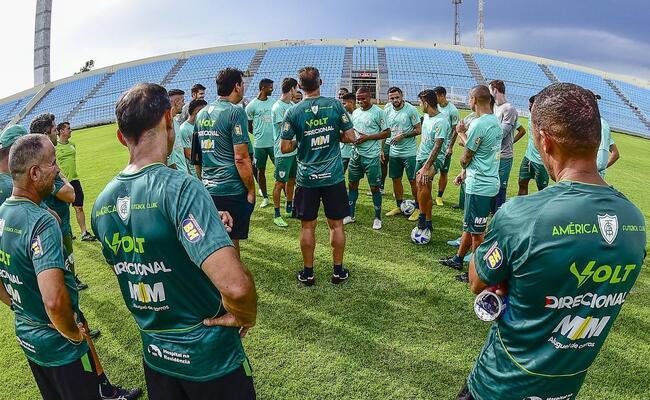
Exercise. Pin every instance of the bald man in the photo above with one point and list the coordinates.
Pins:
(480, 163)
(566, 286)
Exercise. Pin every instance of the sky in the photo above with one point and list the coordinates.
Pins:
(611, 35)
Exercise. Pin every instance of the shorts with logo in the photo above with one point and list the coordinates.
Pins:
(529, 170)
(397, 166)
(77, 380)
(307, 201)
(285, 168)
(386, 152)
(78, 193)
(477, 209)
(505, 165)
(439, 165)
(360, 166)
(444, 168)
(240, 210)
(261, 155)
(237, 385)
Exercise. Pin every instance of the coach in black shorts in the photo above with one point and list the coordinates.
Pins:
(315, 127)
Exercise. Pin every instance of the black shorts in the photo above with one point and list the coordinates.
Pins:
(78, 193)
(77, 380)
(306, 202)
(240, 210)
(237, 385)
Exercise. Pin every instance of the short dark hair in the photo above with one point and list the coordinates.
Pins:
(393, 89)
(265, 82)
(62, 125)
(531, 101)
(24, 152)
(431, 97)
(141, 108)
(364, 89)
(344, 89)
(349, 96)
(196, 103)
(42, 123)
(498, 85)
(299, 92)
(226, 80)
(423, 93)
(493, 101)
(309, 78)
(175, 92)
(568, 113)
(197, 87)
(288, 84)
(440, 91)
(481, 93)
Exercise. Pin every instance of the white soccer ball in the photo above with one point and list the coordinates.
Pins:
(420, 236)
(407, 207)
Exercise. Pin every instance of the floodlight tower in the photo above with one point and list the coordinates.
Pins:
(481, 31)
(456, 4)
(42, 41)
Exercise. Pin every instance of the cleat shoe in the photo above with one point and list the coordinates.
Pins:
(280, 222)
(80, 285)
(376, 224)
(120, 393)
(464, 277)
(454, 243)
(306, 280)
(265, 202)
(94, 333)
(394, 211)
(336, 279)
(452, 263)
(87, 237)
(467, 257)
(439, 202)
(415, 216)
(349, 220)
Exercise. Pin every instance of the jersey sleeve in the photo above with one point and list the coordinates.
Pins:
(346, 121)
(250, 111)
(502, 248)
(455, 117)
(415, 116)
(381, 121)
(46, 245)
(276, 115)
(58, 185)
(440, 128)
(474, 137)
(288, 129)
(186, 136)
(198, 225)
(239, 126)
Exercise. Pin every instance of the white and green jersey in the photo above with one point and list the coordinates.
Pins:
(259, 112)
(531, 151)
(155, 241)
(570, 256)
(484, 139)
(401, 121)
(187, 130)
(278, 111)
(606, 141)
(177, 155)
(434, 129)
(368, 122)
(30, 243)
(452, 113)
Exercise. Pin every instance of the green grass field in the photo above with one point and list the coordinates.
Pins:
(401, 328)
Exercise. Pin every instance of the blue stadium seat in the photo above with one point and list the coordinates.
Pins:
(640, 97)
(11, 108)
(364, 58)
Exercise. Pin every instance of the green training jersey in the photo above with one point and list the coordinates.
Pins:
(569, 269)
(316, 123)
(531, 151)
(59, 206)
(278, 111)
(187, 130)
(368, 122)
(157, 226)
(484, 139)
(6, 186)
(66, 158)
(177, 155)
(401, 121)
(452, 113)
(606, 141)
(30, 243)
(259, 112)
(433, 129)
(220, 126)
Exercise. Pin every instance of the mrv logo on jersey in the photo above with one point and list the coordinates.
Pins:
(146, 293)
(577, 327)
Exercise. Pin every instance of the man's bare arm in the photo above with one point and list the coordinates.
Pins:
(58, 304)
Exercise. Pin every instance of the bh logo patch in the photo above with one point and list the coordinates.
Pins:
(192, 230)
(37, 248)
(608, 227)
(494, 257)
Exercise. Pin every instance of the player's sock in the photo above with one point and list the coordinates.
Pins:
(376, 201)
(277, 211)
(338, 269)
(428, 224)
(354, 196)
(440, 193)
(289, 206)
(308, 271)
(417, 206)
(105, 387)
(399, 202)
(457, 259)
